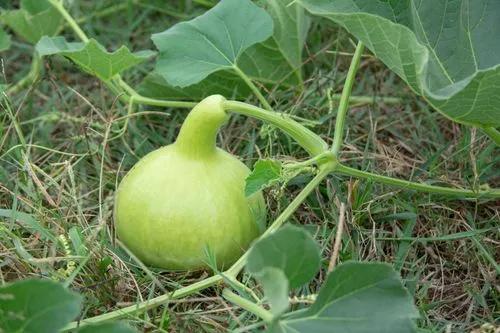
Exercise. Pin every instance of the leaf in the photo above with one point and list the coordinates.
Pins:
(276, 61)
(284, 50)
(190, 51)
(4, 40)
(107, 328)
(34, 19)
(37, 306)
(276, 288)
(446, 51)
(290, 249)
(223, 83)
(264, 174)
(92, 57)
(356, 297)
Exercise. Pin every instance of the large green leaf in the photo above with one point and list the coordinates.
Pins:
(275, 61)
(284, 50)
(447, 51)
(356, 297)
(34, 19)
(190, 51)
(36, 306)
(92, 57)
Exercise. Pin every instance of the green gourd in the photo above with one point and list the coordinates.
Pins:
(187, 199)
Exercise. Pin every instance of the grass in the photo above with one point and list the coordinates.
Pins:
(58, 165)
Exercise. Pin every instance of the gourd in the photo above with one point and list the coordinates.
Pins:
(186, 200)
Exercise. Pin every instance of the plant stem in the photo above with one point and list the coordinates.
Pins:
(247, 305)
(139, 99)
(321, 158)
(285, 215)
(146, 305)
(368, 99)
(493, 193)
(71, 22)
(311, 142)
(254, 88)
(30, 77)
(338, 137)
(493, 133)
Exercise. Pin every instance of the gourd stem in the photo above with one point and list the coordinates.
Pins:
(199, 131)
(448, 191)
(247, 305)
(493, 133)
(338, 136)
(310, 141)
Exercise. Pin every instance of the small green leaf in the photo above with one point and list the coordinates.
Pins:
(37, 306)
(190, 51)
(285, 259)
(107, 328)
(264, 174)
(34, 19)
(356, 297)
(275, 285)
(4, 40)
(290, 249)
(92, 57)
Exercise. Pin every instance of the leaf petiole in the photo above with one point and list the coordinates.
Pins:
(253, 87)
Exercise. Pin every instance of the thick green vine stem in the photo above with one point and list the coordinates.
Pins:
(310, 141)
(146, 305)
(247, 305)
(406, 184)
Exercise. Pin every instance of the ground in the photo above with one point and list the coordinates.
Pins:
(60, 162)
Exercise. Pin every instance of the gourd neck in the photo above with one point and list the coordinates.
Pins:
(198, 133)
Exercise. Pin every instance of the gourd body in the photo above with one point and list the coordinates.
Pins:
(186, 200)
